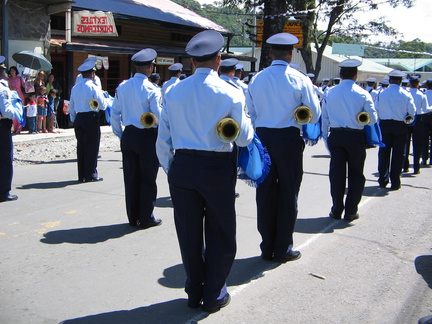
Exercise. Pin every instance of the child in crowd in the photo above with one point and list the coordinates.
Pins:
(51, 113)
(31, 113)
(42, 110)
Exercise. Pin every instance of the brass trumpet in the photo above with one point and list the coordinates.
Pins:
(409, 119)
(148, 120)
(363, 118)
(94, 104)
(303, 115)
(227, 130)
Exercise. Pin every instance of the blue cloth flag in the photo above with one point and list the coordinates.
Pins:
(109, 100)
(253, 163)
(19, 108)
(311, 133)
(373, 134)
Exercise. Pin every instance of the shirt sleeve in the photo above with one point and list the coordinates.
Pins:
(116, 117)
(164, 146)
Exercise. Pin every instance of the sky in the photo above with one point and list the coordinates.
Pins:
(412, 23)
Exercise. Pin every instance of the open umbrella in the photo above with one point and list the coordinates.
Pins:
(32, 60)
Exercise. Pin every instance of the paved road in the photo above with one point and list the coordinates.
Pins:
(68, 255)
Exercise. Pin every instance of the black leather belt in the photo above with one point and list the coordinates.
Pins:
(211, 154)
(346, 129)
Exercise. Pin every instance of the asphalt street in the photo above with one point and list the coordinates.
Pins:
(68, 255)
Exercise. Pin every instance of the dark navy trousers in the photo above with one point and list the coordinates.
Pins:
(87, 133)
(6, 157)
(140, 169)
(348, 153)
(277, 195)
(202, 190)
(391, 157)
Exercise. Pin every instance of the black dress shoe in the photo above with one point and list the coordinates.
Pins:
(216, 306)
(194, 303)
(266, 257)
(334, 216)
(394, 188)
(350, 218)
(416, 171)
(155, 222)
(236, 195)
(9, 198)
(290, 256)
(94, 180)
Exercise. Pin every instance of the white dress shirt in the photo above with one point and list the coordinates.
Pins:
(191, 110)
(133, 98)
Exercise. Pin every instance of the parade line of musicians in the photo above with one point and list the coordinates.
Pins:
(173, 126)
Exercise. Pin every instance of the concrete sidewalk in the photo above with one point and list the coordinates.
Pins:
(24, 136)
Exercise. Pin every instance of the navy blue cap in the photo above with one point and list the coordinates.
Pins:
(89, 64)
(231, 62)
(385, 81)
(283, 39)
(350, 63)
(175, 67)
(2, 59)
(397, 74)
(205, 43)
(146, 55)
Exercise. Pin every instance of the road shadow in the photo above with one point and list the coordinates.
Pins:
(319, 225)
(375, 191)
(47, 162)
(326, 156)
(164, 202)
(423, 265)
(242, 272)
(49, 185)
(87, 235)
(170, 312)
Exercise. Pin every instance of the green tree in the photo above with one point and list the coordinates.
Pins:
(338, 14)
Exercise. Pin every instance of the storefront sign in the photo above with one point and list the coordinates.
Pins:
(291, 26)
(93, 23)
(348, 49)
(165, 60)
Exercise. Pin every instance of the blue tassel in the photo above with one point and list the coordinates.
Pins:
(253, 163)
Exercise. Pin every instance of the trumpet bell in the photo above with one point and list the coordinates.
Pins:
(409, 119)
(363, 118)
(94, 104)
(303, 115)
(227, 130)
(148, 120)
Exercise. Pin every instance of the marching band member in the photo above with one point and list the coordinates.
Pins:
(393, 104)
(428, 125)
(273, 96)
(418, 130)
(134, 98)
(238, 75)
(7, 113)
(86, 100)
(202, 170)
(346, 142)
(176, 72)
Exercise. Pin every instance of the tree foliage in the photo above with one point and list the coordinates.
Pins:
(338, 17)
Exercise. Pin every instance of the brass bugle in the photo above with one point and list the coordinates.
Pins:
(94, 104)
(303, 115)
(363, 118)
(227, 130)
(148, 120)
(409, 119)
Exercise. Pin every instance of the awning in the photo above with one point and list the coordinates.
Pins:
(102, 46)
(105, 46)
